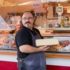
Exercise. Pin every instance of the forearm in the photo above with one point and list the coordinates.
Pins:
(28, 49)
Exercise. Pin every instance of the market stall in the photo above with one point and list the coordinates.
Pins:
(51, 24)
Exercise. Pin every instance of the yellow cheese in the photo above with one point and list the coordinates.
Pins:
(50, 41)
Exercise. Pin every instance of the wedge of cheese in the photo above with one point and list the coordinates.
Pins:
(50, 41)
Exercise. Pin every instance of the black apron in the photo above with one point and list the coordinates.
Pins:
(34, 61)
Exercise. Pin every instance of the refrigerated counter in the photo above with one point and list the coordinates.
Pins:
(54, 61)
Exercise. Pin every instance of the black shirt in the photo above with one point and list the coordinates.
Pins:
(23, 37)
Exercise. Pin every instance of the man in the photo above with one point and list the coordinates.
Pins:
(30, 57)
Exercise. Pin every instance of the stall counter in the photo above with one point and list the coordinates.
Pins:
(54, 61)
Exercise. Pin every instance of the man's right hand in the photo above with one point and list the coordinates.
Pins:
(43, 48)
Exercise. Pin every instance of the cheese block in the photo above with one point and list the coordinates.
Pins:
(49, 41)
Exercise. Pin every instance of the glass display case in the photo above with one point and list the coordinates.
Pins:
(8, 29)
(61, 34)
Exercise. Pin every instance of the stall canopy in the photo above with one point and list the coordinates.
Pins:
(4, 3)
(13, 6)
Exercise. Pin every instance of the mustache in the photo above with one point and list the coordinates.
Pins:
(27, 22)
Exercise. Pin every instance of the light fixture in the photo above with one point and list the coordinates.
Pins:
(53, 1)
(25, 3)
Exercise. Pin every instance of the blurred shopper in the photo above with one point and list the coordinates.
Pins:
(30, 57)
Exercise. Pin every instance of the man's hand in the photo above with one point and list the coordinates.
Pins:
(43, 48)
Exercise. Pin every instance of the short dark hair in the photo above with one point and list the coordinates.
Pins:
(32, 12)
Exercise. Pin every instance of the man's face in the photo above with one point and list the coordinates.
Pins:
(27, 19)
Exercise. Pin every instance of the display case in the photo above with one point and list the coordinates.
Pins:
(8, 29)
(61, 34)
